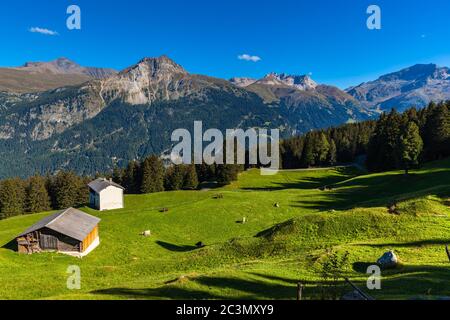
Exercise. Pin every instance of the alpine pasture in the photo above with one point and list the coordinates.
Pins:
(262, 235)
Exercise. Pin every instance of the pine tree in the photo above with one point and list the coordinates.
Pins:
(308, 154)
(12, 198)
(37, 197)
(204, 172)
(227, 173)
(117, 175)
(190, 178)
(383, 152)
(322, 148)
(332, 153)
(152, 175)
(131, 178)
(174, 177)
(411, 146)
(69, 190)
(436, 131)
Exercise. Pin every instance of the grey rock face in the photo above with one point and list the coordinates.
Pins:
(414, 86)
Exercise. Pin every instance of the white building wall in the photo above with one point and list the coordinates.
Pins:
(111, 198)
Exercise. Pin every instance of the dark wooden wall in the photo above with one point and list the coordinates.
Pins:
(52, 240)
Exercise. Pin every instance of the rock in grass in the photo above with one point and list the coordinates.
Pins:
(388, 260)
(200, 244)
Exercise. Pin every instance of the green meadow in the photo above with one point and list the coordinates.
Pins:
(264, 258)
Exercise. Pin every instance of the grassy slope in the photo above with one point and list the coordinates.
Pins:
(236, 264)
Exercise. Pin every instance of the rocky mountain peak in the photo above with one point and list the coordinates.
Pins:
(242, 82)
(413, 86)
(60, 65)
(154, 67)
(301, 82)
(150, 79)
(416, 72)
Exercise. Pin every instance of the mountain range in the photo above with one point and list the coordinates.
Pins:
(42, 76)
(100, 118)
(414, 86)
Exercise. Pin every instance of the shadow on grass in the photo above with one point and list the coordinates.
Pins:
(420, 243)
(379, 190)
(309, 182)
(175, 248)
(169, 292)
(247, 289)
(361, 267)
(409, 282)
(12, 245)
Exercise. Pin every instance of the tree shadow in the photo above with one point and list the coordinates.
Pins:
(408, 282)
(361, 267)
(169, 292)
(254, 289)
(301, 184)
(379, 190)
(175, 248)
(277, 278)
(419, 243)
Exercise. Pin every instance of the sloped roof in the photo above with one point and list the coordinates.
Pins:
(70, 222)
(101, 184)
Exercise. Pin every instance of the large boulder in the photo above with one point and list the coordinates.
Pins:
(388, 260)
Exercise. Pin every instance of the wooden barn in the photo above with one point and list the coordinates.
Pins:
(105, 194)
(69, 231)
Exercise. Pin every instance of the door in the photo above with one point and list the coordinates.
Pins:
(48, 242)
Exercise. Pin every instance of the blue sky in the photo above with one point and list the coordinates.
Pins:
(327, 38)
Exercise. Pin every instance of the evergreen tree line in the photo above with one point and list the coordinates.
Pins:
(326, 147)
(394, 141)
(404, 141)
(39, 193)
(150, 176)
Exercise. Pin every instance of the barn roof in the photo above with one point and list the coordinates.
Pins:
(101, 184)
(70, 222)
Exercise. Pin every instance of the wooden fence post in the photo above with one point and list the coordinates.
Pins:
(299, 291)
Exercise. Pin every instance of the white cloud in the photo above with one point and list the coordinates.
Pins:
(43, 31)
(248, 57)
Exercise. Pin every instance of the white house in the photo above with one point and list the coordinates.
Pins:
(105, 194)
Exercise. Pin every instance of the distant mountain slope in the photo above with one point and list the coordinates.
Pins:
(414, 86)
(305, 102)
(42, 76)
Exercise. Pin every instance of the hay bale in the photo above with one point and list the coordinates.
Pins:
(146, 233)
